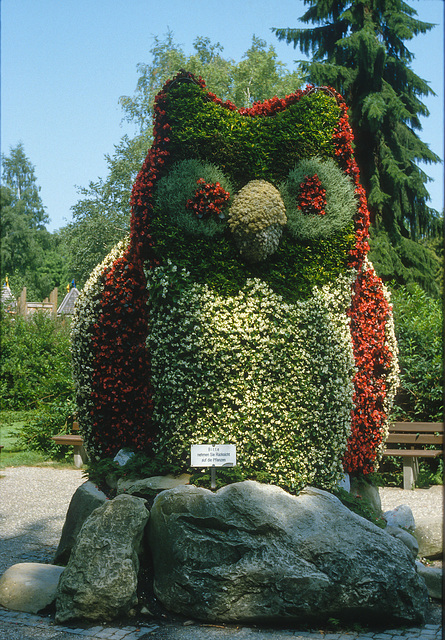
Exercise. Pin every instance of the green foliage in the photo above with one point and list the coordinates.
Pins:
(359, 49)
(418, 325)
(101, 217)
(179, 186)
(30, 255)
(241, 147)
(341, 201)
(35, 361)
(406, 262)
(256, 77)
(360, 506)
(49, 420)
(250, 148)
(292, 271)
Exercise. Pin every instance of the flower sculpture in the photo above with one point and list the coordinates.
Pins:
(242, 309)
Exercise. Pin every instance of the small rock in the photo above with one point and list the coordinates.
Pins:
(433, 577)
(405, 537)
(147, 612)
(29, 587)
(401, 516)
(123, 456)
(345, 483)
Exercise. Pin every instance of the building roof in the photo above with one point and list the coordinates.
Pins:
(67, 305)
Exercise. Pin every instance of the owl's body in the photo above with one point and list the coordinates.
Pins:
(242, 309)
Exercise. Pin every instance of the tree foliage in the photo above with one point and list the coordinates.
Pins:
(418, 325)
(358, 47)
(101, 218)
(30, 255)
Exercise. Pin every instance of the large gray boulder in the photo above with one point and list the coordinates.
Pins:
(252, 552)
(148, 487)
(100, 580)
(429, 535)
(29, 586)
(86, 498)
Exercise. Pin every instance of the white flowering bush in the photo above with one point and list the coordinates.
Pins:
(272, 378)
(86, 313)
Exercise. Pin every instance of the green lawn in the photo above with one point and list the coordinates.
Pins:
(14, 455)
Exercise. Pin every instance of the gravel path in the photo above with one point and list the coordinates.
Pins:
(33, 505)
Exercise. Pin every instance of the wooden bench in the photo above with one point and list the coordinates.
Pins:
(74, 440)
(414, 435)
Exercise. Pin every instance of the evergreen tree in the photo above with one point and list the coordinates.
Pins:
(358, 47)
(30, 255)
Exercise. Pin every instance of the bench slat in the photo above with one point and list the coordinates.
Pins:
(415, 438)
(416, 427)
(66, 438)
(413, 453)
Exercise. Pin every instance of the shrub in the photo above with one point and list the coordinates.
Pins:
(35, 360)
(418, 327)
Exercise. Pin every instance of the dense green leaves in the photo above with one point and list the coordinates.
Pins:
(418, 324)
(35, 361)
(30, 255)
(101, 217)
(358, 47)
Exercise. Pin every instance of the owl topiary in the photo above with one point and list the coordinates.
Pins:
(242, 308)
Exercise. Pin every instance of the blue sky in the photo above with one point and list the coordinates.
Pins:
(65, 63)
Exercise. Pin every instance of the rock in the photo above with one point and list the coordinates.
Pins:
(433, 577)
(146, 487)
(405, 537)
(429, 535)
(29, 586)
(369, 492)
(123, 456)
(100, 580)
(401, 516)
(345, 483)
(87, 498)
(252, 552)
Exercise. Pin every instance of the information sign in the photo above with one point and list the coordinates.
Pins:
(213, 455)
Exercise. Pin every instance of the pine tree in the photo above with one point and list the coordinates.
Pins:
(30, 255)
(358, 47)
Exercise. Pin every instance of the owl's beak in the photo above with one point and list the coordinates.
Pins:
(256, 218)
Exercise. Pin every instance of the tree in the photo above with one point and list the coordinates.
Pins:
(101, 218)
(30, 255)
(358, 47)
(18, 174)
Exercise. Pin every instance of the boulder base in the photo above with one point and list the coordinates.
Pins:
(252, 552)
(29, 586)
(100, 580)
(86, 498)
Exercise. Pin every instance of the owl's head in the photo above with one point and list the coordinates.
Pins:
(269, 192)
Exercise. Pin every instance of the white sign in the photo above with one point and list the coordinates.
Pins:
(213, 455)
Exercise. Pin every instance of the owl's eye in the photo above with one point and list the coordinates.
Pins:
(195, 195)
(320, 199)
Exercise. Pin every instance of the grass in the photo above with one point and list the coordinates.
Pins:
(12, 455)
